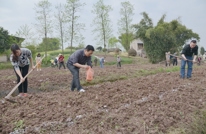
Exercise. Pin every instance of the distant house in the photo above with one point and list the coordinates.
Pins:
(138, 46)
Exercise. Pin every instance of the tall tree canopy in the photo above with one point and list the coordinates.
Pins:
(4, 40)
(165, 36)
(51, 43)
(202, 50)
(43, 16)
(75, 27)
(113, 42)
(102, 22)
(125, 26)
(124, 39)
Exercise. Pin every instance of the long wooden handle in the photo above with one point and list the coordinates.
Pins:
(10, 93)
(180, 57)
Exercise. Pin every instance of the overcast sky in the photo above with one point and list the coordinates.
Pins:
(15, 13)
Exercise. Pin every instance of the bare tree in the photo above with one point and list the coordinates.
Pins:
(72, 8)
(61, 23)
(102, 22)
(125, 26)
(25, 32)
(44, 25)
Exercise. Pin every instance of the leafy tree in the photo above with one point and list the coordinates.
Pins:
(166, 36)
(202, 50)
(51, 43)
(141, 28)
(99, 48)
(33, 50)
(124, 39)
(61, 23)
(125, 26)
(44, 25)
(72, 9)
(4, 40)
(102, 22)
(80, 46)
(113, 42)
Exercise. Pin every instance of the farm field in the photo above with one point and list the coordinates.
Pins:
(139, 98)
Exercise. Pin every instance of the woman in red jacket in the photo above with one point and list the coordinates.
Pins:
(61, 61)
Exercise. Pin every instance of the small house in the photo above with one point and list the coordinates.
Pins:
(138, 46)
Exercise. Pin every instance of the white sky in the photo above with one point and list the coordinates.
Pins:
(15, 13)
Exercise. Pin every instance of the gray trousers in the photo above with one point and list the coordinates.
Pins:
(75, 81)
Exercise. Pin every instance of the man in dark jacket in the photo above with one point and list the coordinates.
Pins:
(187, 57)
(76, 61)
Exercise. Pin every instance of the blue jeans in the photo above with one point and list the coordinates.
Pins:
(101, 64)
(189, 67)
(75, 81)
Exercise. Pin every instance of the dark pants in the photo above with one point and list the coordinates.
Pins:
(61, 64)
(118, 64)
(24, 85)
(56, 64)
(75, 81)
(174, 62)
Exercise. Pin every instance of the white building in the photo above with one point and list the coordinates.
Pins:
(138, 46)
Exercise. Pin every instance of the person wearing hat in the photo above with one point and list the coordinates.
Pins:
(61, 61)
(79, 59)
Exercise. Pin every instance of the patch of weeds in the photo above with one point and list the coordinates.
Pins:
(19, 125)
(198, 125)
(177, 131)
(44, 86)
(43, 131)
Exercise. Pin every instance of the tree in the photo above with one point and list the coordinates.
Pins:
(33, 50)
(52, 43)
(141, 28)
(124, 39)
(202, 50)
(25, 32)
(125, 26)
(4, 40)
(44, 26)
(72, 8)
(61, 23)
(102, 22)
(113, 42)
(99, 48)
(165, 36)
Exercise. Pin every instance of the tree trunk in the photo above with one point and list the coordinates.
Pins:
(104, 34)
(72, 32)
(61, 29)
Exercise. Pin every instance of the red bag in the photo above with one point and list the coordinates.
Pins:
(89, 74)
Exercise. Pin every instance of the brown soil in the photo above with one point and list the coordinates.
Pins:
(148, 104)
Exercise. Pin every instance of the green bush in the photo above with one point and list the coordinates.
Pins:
(5, 65)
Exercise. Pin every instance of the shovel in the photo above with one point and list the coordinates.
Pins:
(10, 93)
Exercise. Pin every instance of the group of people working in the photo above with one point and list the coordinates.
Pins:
(21, 58)
(58, 62)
